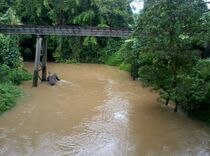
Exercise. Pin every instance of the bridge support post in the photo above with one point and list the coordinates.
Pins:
(37, 61)
(44, 59)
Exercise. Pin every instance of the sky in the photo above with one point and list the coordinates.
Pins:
(207, 4)
(138, 5)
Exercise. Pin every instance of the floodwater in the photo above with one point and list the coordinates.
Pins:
(97, 110)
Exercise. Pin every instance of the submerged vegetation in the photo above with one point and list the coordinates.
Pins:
(168, 50)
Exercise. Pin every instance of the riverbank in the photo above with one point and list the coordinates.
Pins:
(9, 90)
(9, 94)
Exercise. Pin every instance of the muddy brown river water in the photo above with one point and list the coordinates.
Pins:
(97, 110)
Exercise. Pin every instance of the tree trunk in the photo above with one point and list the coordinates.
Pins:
(167, 100)
(176, 106)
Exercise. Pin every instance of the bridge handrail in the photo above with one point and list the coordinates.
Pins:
(65, 30)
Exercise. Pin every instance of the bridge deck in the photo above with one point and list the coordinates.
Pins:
(64, 31)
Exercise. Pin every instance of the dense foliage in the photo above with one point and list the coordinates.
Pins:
(166, 52)
(12, 72)
(111, 13)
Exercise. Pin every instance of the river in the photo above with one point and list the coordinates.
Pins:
(97, 110)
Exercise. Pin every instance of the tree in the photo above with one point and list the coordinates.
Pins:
(149, 3)
(166, 31)
(130, 53)
(99, 13)
(11, 71)
(194, 89)
(9, 52)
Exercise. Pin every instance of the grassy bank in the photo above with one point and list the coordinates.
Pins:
(116, 60)
(9, 92)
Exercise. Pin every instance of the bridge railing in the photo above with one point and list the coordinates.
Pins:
(65, 31)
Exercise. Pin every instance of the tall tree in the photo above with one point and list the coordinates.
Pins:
(9, 50)
(166, 31)
(110, 13)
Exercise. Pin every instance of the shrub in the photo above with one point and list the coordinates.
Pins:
(17, 76)
(4, 73)
(193, 91)
(71, 61)
(8, 96)
(125, 67)
(112, 47)
(114, 60)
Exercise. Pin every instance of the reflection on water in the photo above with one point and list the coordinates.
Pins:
(96, 110)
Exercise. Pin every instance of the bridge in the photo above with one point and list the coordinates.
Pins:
(64, 31)
(41, 42)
